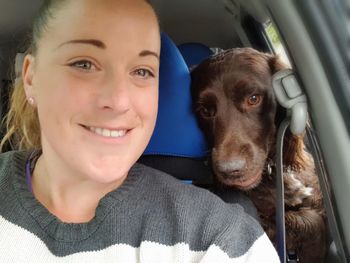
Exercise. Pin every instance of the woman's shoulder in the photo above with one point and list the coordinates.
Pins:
(203, 219)
(11, 159)
(180, 189)
(12, 163)
(188, 197)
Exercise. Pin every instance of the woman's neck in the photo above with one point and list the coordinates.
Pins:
(70, 197)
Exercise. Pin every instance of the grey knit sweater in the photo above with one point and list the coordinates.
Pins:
(151, 218)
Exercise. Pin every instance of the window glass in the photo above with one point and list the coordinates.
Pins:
(275, 42)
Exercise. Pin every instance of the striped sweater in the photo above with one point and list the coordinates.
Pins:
(151, 218)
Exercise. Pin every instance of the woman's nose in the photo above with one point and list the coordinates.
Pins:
(115, 94)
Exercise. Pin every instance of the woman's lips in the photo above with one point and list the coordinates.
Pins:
(114, 133)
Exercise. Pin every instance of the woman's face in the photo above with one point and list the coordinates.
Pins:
(94, 80)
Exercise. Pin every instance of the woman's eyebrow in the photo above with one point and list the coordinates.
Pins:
(101, 45)
(94, 42)
(148, 53)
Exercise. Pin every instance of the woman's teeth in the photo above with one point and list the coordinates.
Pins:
(108, 133)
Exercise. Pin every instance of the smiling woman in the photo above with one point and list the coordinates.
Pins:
(85, 86)
(82, 114)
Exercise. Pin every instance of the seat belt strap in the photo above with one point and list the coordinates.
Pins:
(280, 222)
(290, 96)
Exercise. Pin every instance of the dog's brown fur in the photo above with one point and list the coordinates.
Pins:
(238, 112)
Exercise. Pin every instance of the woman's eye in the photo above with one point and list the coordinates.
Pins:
(254, 100)
(83, 65)
(144, 73)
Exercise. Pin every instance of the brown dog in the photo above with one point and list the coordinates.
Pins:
(237, 110)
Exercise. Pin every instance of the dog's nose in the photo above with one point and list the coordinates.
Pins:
(232, 167)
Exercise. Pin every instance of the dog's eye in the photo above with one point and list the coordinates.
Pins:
(254, 100)
(207, 112)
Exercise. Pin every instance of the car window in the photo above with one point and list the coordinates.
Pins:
(275, 41)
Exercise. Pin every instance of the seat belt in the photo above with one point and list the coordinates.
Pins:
(289, 256)
(280, 223)
(290, 96)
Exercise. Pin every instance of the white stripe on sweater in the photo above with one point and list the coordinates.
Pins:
(19, 245)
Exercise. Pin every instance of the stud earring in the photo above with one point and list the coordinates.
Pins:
(31, 101)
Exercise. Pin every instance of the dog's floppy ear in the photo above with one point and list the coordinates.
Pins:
(294, 154)
(276, 64)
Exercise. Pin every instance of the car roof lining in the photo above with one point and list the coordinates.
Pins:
(206, 21)
(214, 23)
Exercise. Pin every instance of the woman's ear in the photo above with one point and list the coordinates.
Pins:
(28, 76)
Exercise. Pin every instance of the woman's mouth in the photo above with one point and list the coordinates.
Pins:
(107, 132)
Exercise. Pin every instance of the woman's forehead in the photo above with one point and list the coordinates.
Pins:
(92, 20)
(86, 12)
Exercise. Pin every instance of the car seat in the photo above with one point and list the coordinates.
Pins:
(194, 53)
(177, 143)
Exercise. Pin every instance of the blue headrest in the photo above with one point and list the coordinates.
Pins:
(194, 53)
(176, 132)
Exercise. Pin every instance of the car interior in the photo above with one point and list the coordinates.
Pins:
(310, 36)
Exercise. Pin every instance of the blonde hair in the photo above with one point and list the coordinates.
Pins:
(22, 122)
